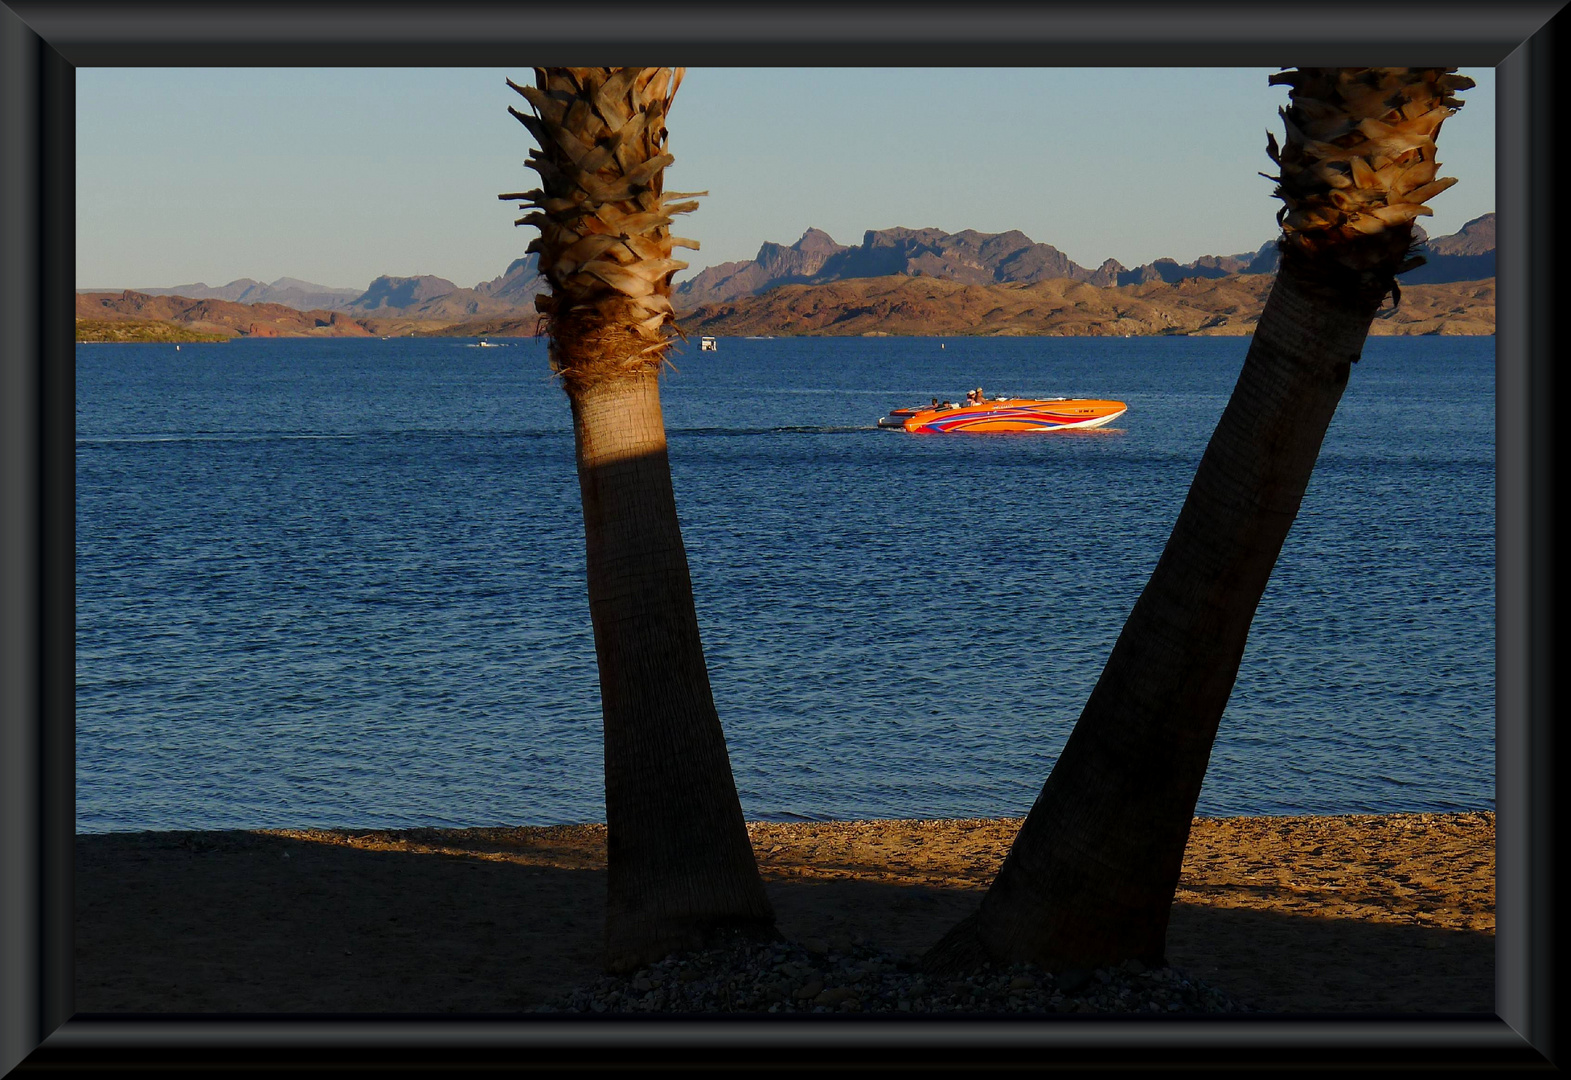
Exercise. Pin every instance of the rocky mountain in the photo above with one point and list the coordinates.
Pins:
(393, 293)
(452, 306)
(224, 317)
(775, 265)
(428, 298)
(518, 285)
(970, 257)
(1206, 266)
(975, 258)
(392, 297)
(1477, 237)
(291, 292)
(897, 304)
(305, 295)
(1466, 255)
(505, 304)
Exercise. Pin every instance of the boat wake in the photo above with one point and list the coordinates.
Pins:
(786, 430)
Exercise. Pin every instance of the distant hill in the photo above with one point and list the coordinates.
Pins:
(119, 316)
(291, 292)
(426, 298)
(717, 296)
(1228, 305)
(519, 284)
(422, 298)
(894, 304)
(974, 258)
(400, 292)
(969, 257)
(138, 330)
(1466, 255)
(223, 317)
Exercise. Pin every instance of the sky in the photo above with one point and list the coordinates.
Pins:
(337, 176)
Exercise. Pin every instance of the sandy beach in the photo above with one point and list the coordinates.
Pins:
(1385, 914)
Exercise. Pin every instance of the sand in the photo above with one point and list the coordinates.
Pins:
(1383, 914)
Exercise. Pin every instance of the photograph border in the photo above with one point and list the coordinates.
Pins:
(42, 42)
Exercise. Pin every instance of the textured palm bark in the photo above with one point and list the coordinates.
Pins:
(681, 867)
(1090, 879)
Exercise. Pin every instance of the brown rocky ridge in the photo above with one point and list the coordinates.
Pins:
(1229, 305)
(898, 281)
(975, 258)
(222, 317)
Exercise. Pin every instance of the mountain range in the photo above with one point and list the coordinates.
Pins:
(1059, 307)
(967, 257)
(973, 258)
(406, 297)
(819, 286)
(291, 292)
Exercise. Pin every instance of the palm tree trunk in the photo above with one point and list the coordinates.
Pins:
(681, 866)
(1091, 876)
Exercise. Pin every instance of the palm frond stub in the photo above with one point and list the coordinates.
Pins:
(1358, 163)
(605, 242)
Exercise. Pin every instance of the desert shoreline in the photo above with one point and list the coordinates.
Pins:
(1325, 914)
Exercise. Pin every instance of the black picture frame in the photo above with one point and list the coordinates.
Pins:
(43, 41)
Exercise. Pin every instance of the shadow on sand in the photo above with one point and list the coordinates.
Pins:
(252, 922)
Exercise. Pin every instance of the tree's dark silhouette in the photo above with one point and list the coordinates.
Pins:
(1091, 876)
(680, 864)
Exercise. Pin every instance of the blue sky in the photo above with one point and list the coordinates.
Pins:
(338, 175)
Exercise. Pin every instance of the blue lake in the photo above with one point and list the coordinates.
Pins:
(340, 582)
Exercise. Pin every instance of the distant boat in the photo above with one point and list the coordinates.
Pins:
(706, 344)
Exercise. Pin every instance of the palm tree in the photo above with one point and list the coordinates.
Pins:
(681, 867)
(1091, 875)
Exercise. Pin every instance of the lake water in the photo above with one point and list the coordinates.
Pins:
(340, 582)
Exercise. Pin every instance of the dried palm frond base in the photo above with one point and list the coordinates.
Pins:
(604, 217)
(586, 349)
(1359, 164)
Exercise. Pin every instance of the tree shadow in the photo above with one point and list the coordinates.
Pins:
(246, 922)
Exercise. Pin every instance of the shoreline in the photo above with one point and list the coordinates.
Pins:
(1345, 913)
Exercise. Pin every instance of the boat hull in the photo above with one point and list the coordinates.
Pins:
(1015, 415)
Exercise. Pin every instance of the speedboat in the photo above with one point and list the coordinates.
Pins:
(1007, 414)
(706, 344)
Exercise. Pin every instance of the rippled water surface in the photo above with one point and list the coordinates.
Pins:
(340, 583)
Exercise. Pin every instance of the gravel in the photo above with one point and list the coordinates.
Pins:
(845, 975)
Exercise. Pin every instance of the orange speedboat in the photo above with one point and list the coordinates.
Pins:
(1008, 414)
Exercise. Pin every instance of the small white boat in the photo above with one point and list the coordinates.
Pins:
(706, 344)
